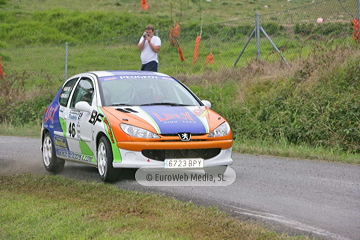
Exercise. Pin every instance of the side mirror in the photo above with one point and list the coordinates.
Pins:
(83, 106)
(206, 103)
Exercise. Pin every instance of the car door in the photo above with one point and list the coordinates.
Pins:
(79, 130)
(61, 139)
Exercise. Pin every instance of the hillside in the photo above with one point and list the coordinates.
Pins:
(308, 101)
(183, 11)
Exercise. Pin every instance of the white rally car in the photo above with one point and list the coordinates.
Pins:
(132, 119)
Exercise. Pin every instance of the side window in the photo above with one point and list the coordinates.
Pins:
(84, 91)
(66, 92)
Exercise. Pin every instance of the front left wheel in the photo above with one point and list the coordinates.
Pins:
(51, 162)
(105, 159)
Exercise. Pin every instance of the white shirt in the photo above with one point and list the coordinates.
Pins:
(147, 54)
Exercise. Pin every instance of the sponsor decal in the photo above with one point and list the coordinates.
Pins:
(64, 95)
(201, 112)
(67, 89)
(60, 143)
(95, 117)
(127, 77)
(74, 115)
(109, 78)
(50, 112)
(76, 156)
(111, 135)
(175, 119)
(169, 117)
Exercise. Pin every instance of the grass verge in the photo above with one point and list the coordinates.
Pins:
(26, 130)
(53, 207)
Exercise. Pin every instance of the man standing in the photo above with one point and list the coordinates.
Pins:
(149, 45)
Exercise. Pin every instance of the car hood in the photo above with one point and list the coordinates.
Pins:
(168, 119)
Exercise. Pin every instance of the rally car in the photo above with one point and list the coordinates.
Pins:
(132, 119)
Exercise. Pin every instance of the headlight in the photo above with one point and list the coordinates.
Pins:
(137, 132)
(221, 130)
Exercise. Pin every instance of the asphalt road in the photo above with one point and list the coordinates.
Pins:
(316, 198)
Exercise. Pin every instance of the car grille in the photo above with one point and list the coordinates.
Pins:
(176, 135)
(161, 155)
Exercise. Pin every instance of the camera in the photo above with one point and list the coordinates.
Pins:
(146, 35)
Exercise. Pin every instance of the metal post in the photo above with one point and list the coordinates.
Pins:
(242, 51)
(258, 28)
(258, 36)
(66, 60)
(274, 46)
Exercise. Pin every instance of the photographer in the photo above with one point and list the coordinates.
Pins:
(149, 45)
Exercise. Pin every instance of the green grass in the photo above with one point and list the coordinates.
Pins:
(110, 55)
(177, 10)
(26, 130)
(53, 207)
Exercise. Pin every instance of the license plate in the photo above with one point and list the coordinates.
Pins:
(184, 163)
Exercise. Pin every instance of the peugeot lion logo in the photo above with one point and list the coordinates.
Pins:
(184, 136)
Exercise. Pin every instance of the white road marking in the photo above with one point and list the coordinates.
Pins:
(287, 222)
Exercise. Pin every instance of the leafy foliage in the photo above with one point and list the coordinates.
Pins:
(327, 29)
(25, 101)
(302, 110)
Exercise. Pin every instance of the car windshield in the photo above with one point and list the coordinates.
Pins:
(150, 90)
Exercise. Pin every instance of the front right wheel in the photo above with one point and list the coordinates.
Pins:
(104, 161)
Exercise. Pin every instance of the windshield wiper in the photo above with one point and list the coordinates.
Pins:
(164, 103)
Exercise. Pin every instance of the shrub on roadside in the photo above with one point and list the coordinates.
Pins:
(24, 97)
(317, 105)
(323, 29)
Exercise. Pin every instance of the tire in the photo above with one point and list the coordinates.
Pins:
(215, 170)
(104, 161)
(51, 162)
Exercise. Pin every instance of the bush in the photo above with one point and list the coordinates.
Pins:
(25, 100)
(317, 106)
(324, 29)
(30, 111)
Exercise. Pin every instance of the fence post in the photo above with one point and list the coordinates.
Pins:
(257, 22)
(66, 60)
(258, 28)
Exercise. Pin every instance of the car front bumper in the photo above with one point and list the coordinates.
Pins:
(135, 159)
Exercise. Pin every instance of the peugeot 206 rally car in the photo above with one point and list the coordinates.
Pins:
(132, 119)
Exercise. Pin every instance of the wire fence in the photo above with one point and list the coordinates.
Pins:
(279, 36)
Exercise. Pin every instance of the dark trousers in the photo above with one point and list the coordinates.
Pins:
(150, 66)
